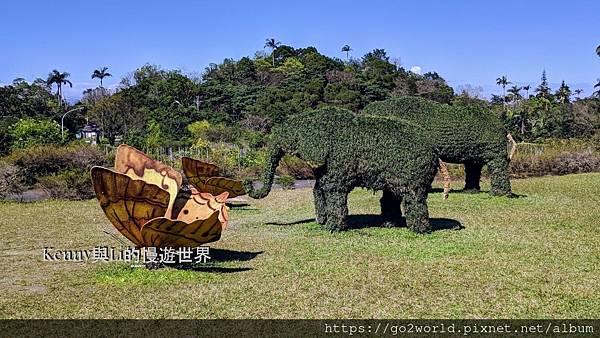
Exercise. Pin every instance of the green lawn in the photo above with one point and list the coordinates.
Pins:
(537, 256)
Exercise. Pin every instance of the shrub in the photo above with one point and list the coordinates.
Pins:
(71, 184)
(30, 132)
(84, 156)
(286, 181)
(295, 167)
(226, 156)
(561, 164)
(596, 141)
(202, 132)
(251, 161)
(5, 124)
(555, 157)
(40, 161)
(253, 139)
(11, 179)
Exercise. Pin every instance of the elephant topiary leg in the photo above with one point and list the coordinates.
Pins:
(499, 173)
(337, 209)
(417, 215)
(320, 203)
(472, 176)
(390, 208)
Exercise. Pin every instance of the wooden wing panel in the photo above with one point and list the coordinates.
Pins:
(128, 203)
(219, 185)
(163, 232)
(206, 178)
(139, 166)
(195, 169)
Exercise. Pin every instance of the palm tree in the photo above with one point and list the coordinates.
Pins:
(101, 74)
(526, 89)
(514, 92)
(578, 92)
(58, 78)
(346, 49)
(503, 81)
(271, 43)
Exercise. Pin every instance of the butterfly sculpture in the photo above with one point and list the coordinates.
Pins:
(143, 199)
(206, 176)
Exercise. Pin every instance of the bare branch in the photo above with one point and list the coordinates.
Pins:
(446, 175)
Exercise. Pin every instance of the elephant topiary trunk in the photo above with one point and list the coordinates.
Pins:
(268, 176)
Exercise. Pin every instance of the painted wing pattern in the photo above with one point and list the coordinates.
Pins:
(206, 178)
(161, 232)
(128, 204)
(139, 166)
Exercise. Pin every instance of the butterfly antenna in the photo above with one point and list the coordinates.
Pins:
(120, 240)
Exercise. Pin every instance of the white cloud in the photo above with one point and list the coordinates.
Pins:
(415, 69)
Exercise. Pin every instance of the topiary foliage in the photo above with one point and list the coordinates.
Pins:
(461, 135)
(347, 150)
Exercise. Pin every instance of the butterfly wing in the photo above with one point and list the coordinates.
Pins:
(219, 185)
(139, 166)
(204, 176)
(164, 232)
(128, 204)
(198, 169)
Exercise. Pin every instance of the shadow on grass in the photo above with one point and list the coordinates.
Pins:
(472, 192)
(241, 206)
(209, 268)
(460, 191)
(376, 221)
(237, 205)
(218, 256)
(224, 255)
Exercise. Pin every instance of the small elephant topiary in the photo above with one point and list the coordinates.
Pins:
(461, 134)
(347, 150)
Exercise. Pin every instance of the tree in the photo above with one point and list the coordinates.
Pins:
(526, 89)
(346, 49)
(503, 82)
(58, 78)
(543, 90)
(598, 50)
(578, 92)
(563, 93)
(597, 85)
(101, 74)
(21, 99)
(514, 92)
(271, 43)
(29, 132)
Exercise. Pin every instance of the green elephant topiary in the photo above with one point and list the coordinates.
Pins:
(347, 150)
(461, 135)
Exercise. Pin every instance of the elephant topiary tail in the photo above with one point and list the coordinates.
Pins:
(268, 175)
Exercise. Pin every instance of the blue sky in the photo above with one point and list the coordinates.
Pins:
(467, 42)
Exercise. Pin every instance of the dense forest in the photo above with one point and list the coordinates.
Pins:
(238, 101)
